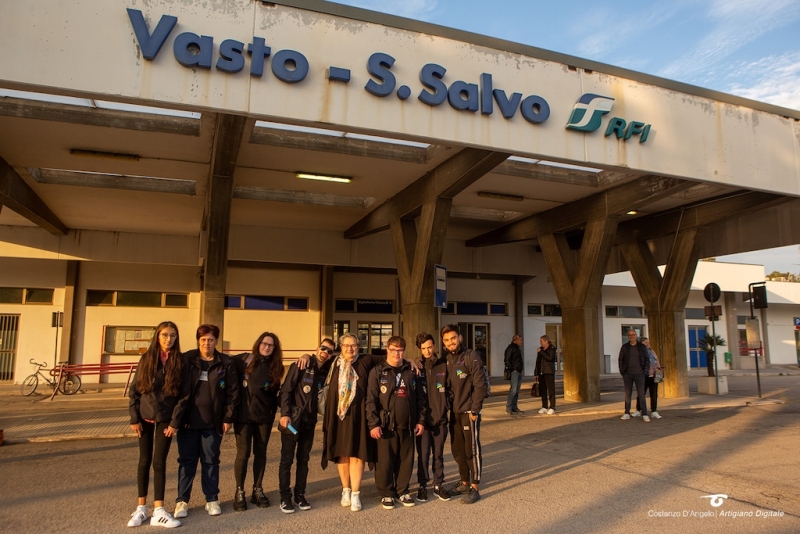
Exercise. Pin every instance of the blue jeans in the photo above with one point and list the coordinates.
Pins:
(194, 445)
(513, 393)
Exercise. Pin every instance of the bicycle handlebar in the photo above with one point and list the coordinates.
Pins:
(42, 365)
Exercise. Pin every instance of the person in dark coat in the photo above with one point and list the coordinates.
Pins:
(208, 410)
(154, 395)
(545, 370)
(634, 365)
(514, 365)
(260, 372)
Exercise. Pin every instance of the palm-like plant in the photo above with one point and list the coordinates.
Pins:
(709, 345)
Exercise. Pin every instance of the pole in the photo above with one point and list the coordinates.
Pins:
(714, 340)
(55, 352)
(755, 351)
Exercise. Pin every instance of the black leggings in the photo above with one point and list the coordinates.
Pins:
(547, 390)
(257, 435)
(153, 450)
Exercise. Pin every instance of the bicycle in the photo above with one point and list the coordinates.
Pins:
(69, 384)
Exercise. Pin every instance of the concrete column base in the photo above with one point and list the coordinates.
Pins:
(708, 385)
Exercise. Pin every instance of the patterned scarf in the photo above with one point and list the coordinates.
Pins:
(347, 386)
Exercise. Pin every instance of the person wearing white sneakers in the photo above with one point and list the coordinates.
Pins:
(650, 383)
(634, 364)
(155, 418)
(545, 369)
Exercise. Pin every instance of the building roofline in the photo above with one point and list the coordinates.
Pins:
(394, 21)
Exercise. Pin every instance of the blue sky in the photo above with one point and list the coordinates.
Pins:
(750, 48)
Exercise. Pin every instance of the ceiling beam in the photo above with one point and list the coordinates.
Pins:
(109, 118)
(702, 214)
(547, 173)
(614, 201)
(114, 181)
(445, 181)
(16, 194)
(343, 145)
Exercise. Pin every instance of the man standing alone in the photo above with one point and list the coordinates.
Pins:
(633, 366)
(514, 361)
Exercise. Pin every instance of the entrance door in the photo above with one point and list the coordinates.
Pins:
(697, 357)
(372, 337)
(9, 327)
(554, 332)
(797, 344)
(476, 337)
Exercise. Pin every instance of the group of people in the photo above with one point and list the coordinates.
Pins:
(639, 365)
(376, 410)
(544, 374)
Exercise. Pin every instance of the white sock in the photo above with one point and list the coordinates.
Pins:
(160, 508)
(356, 493)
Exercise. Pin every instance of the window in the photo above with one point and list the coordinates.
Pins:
(628, 312)
(612, 311)
(472, 308)
(740, 319)
(10, 295)
(534, 309)
(363, 306)
(136, 299)
(265, 303)
(552, 310)
(345, 305)
(39, 296)
(498, 309)
(450, 309)
(695, 313)
(127, 339)
(14, 295)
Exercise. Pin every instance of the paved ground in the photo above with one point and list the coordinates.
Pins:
(583, 470)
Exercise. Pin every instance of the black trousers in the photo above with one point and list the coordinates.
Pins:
(547, 389)
(302, 442)
(249, 436)
(395, 463)
(651, 385)
(153, 450)
(629, 380)
(465, 444)
(431, 443)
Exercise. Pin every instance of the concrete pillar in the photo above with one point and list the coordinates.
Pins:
(68, 331)
(418, 247)
(665, 299)
(326, 302)
(578, 279)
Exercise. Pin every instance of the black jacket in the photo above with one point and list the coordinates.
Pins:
(155, 405)
(513, 358)
(381, 390)
(546, 361)
(298, 396)
(258, 400)
(434, 385)
(466, 381)
(644, 358)
(224, 382)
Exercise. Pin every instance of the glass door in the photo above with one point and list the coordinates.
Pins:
(697, 356)
(372, 337)
(554, 332)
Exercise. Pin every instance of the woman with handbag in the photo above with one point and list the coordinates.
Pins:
(545, 371)
(260, 372)
(655, 374)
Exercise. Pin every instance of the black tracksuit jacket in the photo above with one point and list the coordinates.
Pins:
(382, 386)
(466, 378)
(224, 385)
(154, 405)
(434, 385)
(258, 401)
(298, 396)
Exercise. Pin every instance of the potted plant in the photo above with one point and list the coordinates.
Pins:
(709, 345)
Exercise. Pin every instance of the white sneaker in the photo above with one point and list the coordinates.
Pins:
(655, 415)
(161, 518)
(138, 517)
(543, 410)
(637, 413)
(181, 509)
(625, 417)
(646, 418)
(212, 507)
(345, 497)
(355, 501)
(551, 412)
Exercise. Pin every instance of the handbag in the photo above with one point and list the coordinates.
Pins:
(535, 387)
(322, 394)
(506, 374)
(658, 377)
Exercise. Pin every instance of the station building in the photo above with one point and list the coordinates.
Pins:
(302, 167)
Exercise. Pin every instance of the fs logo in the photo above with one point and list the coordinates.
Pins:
(587, 114)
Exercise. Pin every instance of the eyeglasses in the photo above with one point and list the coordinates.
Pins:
(263, 344)
(166, 335)
(396, 351)
(326, 349)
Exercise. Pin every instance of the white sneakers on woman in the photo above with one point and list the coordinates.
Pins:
(138, 517)
(355, 501)
(345, 497)
(161, 518)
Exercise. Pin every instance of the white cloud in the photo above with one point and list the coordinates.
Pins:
(413, 9)
(736, 23)
(773, 79)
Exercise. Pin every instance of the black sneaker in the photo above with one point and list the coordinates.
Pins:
(442, 493)
(471, 497)
(302, 503)
(240, 500)
(517, 411)
(460, 489)
(422, 494)
(406, 500)
(258, 498)
(286, 506)
(387, 503)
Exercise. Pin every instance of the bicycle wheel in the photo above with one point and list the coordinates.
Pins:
(70, 384)
(29, 385)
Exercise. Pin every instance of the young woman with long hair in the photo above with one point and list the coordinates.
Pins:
(154, 412)
(260, 372)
